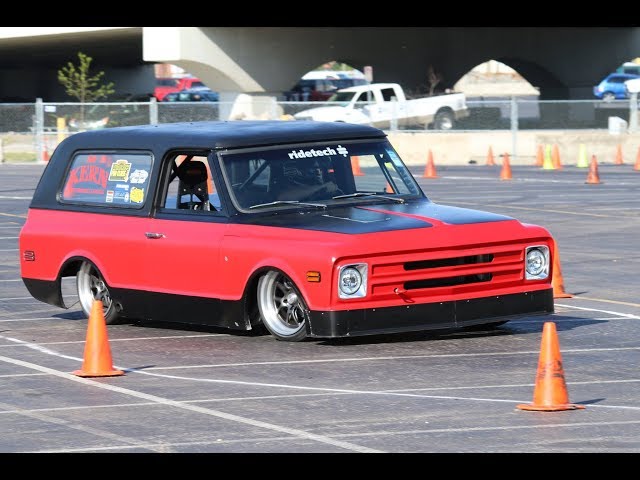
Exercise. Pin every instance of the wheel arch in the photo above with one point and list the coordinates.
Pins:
(250, 293)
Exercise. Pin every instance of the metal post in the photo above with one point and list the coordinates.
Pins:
(633, 113)
(39, 131)
(394, 114)
(153, 111)
(514, 128)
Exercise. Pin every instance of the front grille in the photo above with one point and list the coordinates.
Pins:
(440, 272)
(447, 282)
(448, 262)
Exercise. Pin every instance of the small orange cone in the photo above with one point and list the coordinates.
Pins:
(355, 167)
(637, 164)
(45, 155)
(556, 280)
(490, 160)
(540, 156)
(97, 353)
(388, 189)
(505, 173)
(430, 168)
(592, 176)
(550, 392)
(555, 157)
(618, 160)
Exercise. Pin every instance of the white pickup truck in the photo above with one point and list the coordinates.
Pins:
(384, 105)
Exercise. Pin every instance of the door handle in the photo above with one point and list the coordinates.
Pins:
(153, 235)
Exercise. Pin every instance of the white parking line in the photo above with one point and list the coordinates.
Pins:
(195, 408)
(8, 238)
(608, 312)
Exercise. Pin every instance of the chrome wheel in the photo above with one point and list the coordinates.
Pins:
(282, 308)
(91, 286)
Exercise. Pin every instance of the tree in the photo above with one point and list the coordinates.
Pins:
(78, 82)
(433, 79)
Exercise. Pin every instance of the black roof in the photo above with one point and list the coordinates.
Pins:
(219, 135)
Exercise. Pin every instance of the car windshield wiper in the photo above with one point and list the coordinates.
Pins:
(288, 202)
(369, 194)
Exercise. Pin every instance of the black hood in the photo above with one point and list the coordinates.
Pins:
(373, 217)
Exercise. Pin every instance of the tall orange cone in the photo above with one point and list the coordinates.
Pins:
(97, 353)
(505, 173)
(540, 156)
(637, 164)
(547, 162)
(355, 167)
(550, 392)
(556, 280)
(430, 168)
(618, 160)
(592, 176)
(555, 157)
(490, 160)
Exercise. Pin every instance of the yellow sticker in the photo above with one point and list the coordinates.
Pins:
(137, 195)
(120, 171)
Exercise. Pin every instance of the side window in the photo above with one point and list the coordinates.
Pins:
(387, 93)
(191, 186)
(113, 179)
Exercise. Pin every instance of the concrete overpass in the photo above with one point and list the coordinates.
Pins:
(564, 63)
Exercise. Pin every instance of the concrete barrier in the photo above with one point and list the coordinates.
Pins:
(462, 148)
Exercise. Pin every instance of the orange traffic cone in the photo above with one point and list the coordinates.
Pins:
(637, 164)
(550, 392)
(490, 160)
(540, 156)
(505, 173)
(555, 157)
(430, 168)
(45, 155)
(355, 167)
(97, 353)
(388, 188)
(592, 176)
(556, 280)
(618, 160)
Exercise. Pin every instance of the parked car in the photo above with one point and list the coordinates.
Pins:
(263, 224)
(166, 85)
(612, 87)
(319, 85)
(193, 95)
(380, 104)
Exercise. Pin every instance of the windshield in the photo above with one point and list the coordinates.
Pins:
(326, 174)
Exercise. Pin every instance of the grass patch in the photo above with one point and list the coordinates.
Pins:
(19, 157)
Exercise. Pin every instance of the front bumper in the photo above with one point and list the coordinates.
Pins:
(429, 316)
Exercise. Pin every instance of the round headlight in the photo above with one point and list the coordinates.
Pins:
(536, 262)
(350, 281)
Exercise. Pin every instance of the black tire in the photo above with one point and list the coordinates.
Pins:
(91, 286)
(443, 120)
(283, 311)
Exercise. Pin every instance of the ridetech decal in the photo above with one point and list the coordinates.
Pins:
(319, 153)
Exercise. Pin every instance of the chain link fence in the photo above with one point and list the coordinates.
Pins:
(31, 131)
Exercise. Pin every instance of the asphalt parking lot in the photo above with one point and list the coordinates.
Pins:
(188, 389)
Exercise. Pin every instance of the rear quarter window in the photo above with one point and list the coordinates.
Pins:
(111, 179)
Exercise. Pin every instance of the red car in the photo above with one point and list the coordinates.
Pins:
(168, 85)
(253, 224)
